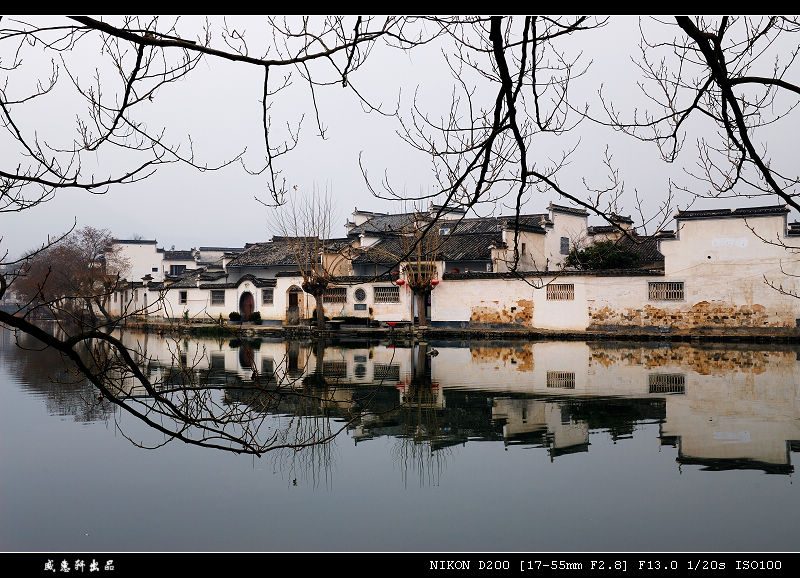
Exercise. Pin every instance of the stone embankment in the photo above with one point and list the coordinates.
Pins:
(725, 335)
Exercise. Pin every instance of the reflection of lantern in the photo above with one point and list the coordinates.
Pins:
(434, 282)
(400, 282)
(395, 272)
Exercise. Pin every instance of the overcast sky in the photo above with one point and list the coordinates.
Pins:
(218, 105)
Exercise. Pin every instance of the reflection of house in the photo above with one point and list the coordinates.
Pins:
(735, 407)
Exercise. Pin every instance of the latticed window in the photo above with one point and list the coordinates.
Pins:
(561, 292)
(665, 290)
(334, 368)
(267, 296)
(561, 379)
(666, 383)
(387, 294)
(360, 294)
(565, 245)
(218, 297)
(386, 371)
(183, 296)
(335, 295)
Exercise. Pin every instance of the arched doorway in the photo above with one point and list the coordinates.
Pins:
(246, 305)
(294, 298)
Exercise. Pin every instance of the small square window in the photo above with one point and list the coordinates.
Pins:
(154, 269)
(561, 292)
(335, 295)
(218, 296)
(389, 294)
(665, 291)
(183, 297)
(267, 296)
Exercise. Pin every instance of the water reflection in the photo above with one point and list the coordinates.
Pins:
(722, 408)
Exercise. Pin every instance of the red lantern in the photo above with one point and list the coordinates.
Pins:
(434, 282)
(400, 282)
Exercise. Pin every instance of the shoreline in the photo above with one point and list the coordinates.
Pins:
(782, 335)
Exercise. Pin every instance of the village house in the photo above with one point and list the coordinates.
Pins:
(718, 269)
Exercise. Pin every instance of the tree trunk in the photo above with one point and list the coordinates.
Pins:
(422, 308)
(320, 310)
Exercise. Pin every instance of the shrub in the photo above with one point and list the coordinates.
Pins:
(603, 255)
(235, 316)
(255, 317)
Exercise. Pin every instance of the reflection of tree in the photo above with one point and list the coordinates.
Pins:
(416, 450)
(44, 371)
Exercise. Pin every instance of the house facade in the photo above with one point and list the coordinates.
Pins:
(719, 269)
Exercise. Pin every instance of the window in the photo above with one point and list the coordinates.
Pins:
(565, 245)
(561, 292)
(360, 294)
(154, 269)
(268, 367)
(386, 372)
(665, 290)
(335, 295)
(561, 379)
(217, 361)
(666, 383)
(218, 296)
(176, 269)
(387, 294)
(267, 296)
(334, 368)
(135, 294)
(444, 231)
(182, 297)
(115, 297)
(523, 248)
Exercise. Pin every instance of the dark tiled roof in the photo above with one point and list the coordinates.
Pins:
(212, 275)
(646, 247)
(264, 255)
(278, 253)
(453, 247)
(187, 279)
(257, 281)
(223, 249)
(570, 210)
(557, 274)
(134, 241)
(601, 229)
(388, 224)
(179, 255)
(740, 212)
(384, 224)
(534, 223)
(615, 218)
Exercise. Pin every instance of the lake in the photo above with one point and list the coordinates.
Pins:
(444, 446)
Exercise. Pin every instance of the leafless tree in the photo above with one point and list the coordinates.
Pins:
(135, 60)
(73, 278)
(306, 227)
(735, 75)
(491, 144)
(512, 79)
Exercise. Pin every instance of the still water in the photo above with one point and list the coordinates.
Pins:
(447, 446)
